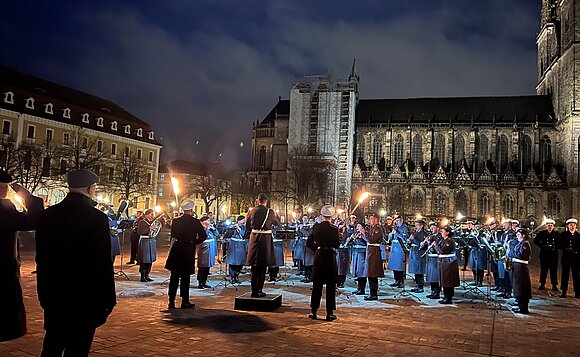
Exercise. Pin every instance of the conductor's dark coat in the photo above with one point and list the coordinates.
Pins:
(74, 296)
(13, 323)
(375, 236)
(187, 232)
(326, 237)
(261, 246)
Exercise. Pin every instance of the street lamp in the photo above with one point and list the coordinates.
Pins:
(363, 197)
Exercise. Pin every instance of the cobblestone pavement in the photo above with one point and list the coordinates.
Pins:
(141, 325)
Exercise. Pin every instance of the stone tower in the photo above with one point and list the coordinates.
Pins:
(558, 44)
(322, 122)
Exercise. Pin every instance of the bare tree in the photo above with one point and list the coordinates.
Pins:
(80, 150)
(212, 187)
(128, 176)
(30, 164)
(310, 177)
(243, 193)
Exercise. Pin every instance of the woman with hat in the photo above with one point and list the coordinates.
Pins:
(570, 246)
(520, 255)
(323, 241)
(448, 266)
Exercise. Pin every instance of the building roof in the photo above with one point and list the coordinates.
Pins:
(24, 86)
(280, 110)
(460, 110)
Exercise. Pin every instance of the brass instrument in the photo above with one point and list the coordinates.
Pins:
(156, 225)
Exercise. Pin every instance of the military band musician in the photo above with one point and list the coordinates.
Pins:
(548, 240)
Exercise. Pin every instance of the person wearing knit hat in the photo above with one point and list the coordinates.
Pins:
(11, 220)
(547, 240)
(570, 246)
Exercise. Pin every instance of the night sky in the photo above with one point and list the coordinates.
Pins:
(202, 71)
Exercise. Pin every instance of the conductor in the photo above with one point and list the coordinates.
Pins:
(323, 240)
(261, 247)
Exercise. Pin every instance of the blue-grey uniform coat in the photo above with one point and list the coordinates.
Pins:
(417, 263)
(397, 258)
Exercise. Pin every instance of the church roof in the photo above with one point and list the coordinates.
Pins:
(281, 109)
(459, 110)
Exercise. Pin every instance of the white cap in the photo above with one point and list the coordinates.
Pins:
(187, 205)
(327, 211)
(550, 221)
(571, 220)
(515, 221)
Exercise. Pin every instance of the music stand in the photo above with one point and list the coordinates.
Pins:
(121, 228)
(225, 282)
(475, 289)
(404, 292)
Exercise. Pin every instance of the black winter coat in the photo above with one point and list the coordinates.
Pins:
(79, 295)
(324, 236)
(13, 323)
(187, 232)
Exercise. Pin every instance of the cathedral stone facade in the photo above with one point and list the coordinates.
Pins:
(508, 157)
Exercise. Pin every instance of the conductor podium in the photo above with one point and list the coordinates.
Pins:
(268, 303)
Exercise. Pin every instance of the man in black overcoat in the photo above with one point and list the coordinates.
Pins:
(13, 323)
(548, 241)
(323, 240)
(260, 247)
(187, 232)
(76, 300)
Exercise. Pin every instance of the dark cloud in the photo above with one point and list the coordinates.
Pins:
(205, 70)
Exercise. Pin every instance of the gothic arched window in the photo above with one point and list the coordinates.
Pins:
(395, 202)
(459, 146)
(508, 206)
(546, 148)
(398, 150)
(439, 148)
(439, 204)
(531, 203)
(502, 151)
(417, 150)
(484, 205)
(262, 156)
(377, 150)
(526, 152)
(482, 150)
(461, 204)
(555, 207)
(417, 202)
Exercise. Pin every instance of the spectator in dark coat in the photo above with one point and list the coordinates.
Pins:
(11, 304)
(75, 300)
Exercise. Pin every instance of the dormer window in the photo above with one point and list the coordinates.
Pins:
(140, 132)
(114, 125)
(100, 121)
(30, 103)
(151, 135)
(66, 113)
(127, 129)
(48, 108)
(9, 97)
(86, 118)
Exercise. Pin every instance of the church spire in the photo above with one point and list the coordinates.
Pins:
(353, 75)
